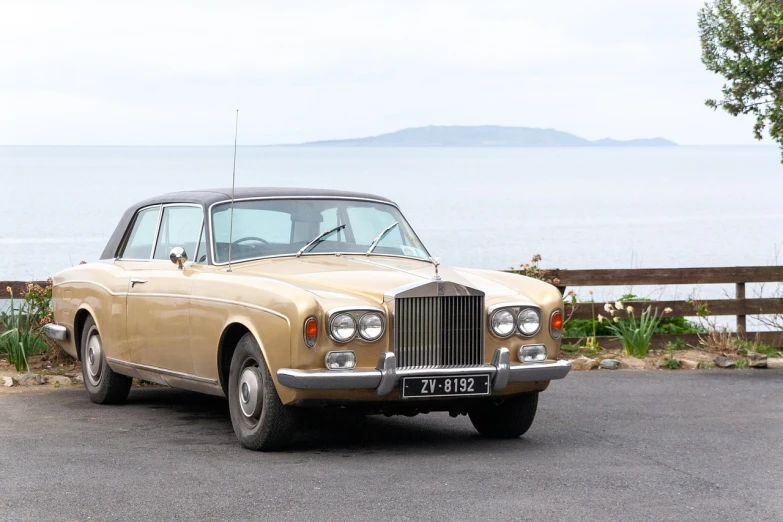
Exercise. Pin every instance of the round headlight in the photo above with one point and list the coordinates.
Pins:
(502, 323)
(371, 326)
(343, 327)
(529, 321)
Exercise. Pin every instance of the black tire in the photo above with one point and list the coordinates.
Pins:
(506, 419)
(271, 426)
(104, 386)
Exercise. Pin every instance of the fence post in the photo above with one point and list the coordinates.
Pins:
(741, 319)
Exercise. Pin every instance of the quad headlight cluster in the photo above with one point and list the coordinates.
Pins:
(524, 320)
(345, 326)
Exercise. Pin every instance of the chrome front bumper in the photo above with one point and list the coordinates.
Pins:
(385, 377)
(55, 332)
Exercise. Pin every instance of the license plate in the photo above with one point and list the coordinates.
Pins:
(445, 386)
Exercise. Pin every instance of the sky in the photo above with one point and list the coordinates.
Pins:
(174, 73)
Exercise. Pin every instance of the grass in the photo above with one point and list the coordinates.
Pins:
(741, 364)
(671, 363)
(752, 346)
(677, 344)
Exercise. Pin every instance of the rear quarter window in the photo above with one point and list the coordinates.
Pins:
(142, 235)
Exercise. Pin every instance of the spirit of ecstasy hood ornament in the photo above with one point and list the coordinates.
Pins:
(436, 263)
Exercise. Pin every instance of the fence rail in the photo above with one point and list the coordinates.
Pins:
(19, 288)
(740, 306)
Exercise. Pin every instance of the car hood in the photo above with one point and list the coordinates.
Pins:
(369, 278)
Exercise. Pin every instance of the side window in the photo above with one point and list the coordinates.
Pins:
(179, 227)
(139, 244)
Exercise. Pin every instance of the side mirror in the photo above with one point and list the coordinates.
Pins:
(178, 256)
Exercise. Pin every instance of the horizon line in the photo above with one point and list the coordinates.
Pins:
(310, 145)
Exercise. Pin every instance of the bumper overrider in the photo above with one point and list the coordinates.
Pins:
(385, 377)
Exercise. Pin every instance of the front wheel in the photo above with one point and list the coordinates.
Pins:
(261, 421)
(104, 385)
(506, 419)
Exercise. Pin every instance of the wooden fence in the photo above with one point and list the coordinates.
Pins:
(740, 306)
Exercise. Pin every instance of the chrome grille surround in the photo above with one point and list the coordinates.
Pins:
(439, 324)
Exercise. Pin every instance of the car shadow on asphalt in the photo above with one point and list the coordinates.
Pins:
(323, 429)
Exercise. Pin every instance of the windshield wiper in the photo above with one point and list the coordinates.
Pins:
(380, 236)
(317, 239)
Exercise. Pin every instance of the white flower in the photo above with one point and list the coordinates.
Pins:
(667, 310)
(608, 308)
(629, 309)
(619, 305)
(601, 318)
(616, 319)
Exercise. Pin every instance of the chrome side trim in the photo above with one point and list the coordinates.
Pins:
(386, 376)
(55, 332)
(162, 371)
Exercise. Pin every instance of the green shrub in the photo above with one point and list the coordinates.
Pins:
(671, 363)
(677, 344)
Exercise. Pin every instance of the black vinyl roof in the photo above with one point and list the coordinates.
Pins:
(209, 197)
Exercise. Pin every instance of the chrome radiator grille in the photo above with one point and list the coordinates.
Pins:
(439, 332)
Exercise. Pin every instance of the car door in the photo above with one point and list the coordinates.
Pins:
(158, 303)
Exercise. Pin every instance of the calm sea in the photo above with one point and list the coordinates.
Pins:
(486, 208)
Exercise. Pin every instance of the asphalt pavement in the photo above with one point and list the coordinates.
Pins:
(606, 445)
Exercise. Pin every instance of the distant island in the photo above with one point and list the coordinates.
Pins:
(483, 136)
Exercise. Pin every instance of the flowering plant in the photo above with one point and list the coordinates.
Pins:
(23, 324)
(634, 333)
(536, 272)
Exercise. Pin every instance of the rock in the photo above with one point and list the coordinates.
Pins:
(79, 379)
(757, 360)
(584, 363)
(8, 381)
(723, 362)
(688, 364)
(58, 380)
(774, 363)
(632, 363)
(609, 364)
(30, 379)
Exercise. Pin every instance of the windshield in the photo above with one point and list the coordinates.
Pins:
(275, 227)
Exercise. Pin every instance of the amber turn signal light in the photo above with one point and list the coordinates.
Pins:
(556, 324)
(310, 331)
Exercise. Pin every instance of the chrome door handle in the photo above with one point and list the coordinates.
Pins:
(135, 282)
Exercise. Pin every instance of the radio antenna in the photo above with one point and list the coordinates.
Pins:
(233, 190)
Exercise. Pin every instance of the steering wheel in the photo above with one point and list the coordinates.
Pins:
(250, 238)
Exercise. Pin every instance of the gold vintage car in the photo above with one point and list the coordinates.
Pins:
(282, 299)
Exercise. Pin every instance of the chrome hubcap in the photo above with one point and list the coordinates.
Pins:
(250, 395)
(94, 359)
